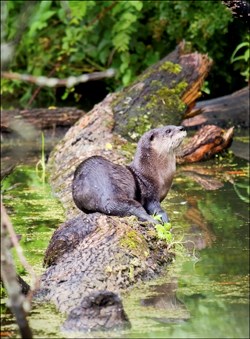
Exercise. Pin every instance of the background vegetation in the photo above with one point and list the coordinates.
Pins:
(63, 38)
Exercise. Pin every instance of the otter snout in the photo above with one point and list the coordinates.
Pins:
(182, 130)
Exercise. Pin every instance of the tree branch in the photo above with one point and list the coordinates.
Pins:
(55, 82)
(19, 305)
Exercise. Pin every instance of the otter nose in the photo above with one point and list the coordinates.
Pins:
(182, 128)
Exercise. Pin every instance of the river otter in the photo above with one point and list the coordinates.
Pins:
(137, 189)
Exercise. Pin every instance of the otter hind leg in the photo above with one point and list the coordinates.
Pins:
(128, 207)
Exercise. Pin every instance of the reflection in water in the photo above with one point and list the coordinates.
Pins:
(167, 300)
(214, 292)
(200, 233)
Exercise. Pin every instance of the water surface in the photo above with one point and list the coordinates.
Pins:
(203, 294)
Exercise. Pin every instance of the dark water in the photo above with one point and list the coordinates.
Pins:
(203, 294)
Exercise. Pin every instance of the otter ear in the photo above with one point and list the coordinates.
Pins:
(151, 138)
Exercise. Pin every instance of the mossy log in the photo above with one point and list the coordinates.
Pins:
(99, 252)
(162, 94)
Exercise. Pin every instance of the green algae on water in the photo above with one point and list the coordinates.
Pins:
(34, 212)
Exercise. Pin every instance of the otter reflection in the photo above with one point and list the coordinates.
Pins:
(166, 299)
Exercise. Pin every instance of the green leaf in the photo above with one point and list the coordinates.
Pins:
(247, 54)
(121, 41)
(127, 77)
(243, 44)
(157, 217)
(168, 236)
(167, 226)
(40, 21)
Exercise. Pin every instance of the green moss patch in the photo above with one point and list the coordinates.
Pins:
(136, 243)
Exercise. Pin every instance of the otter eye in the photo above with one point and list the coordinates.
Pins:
(167, 131)
(105, 303)
(151, 138)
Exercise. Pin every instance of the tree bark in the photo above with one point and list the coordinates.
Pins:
(208, 141)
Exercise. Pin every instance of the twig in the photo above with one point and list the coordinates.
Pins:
(14, 240)
(19, 305)
(55, 82)
(34, 95)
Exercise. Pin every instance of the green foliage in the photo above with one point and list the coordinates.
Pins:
(163, 230)
(66, 38)
(175, 242)
(243, 58)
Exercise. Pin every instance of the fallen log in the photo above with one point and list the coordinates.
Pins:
(208, 141)
(99, 252)
(161, 94)
(229, 110)
(21, 133)
(40, 118)
(96, 251)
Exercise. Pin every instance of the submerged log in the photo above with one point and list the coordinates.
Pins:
(21, 133)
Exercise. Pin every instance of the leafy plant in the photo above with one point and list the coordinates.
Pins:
(163, 230)
(244, 48)
(164, 233)
(64, 38)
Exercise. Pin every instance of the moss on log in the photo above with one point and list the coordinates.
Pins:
(161, 94)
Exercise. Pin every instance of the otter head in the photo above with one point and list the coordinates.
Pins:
(157, 146)
(163, 140)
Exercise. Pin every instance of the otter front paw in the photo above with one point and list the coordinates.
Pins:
(164, 217)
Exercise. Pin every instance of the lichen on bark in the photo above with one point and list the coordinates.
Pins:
(153, 100)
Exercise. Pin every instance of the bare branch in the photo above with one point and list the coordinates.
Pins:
(55, 82)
